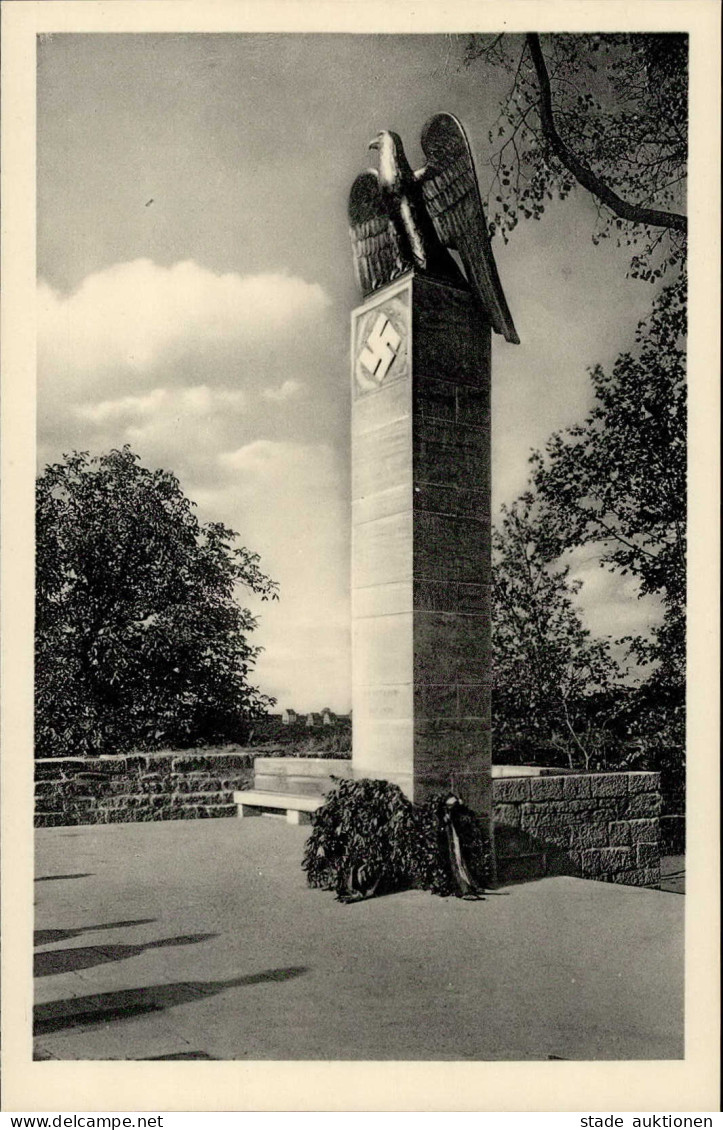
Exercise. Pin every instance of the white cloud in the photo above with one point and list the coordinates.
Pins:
(181, 429)
(610, 603)
(133, 314)
(287, 391)
(125, 408)
(176, 361)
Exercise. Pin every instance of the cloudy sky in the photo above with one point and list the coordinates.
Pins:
(195, 284)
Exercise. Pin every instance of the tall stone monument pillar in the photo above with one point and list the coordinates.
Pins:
(421, 468)
(421, 539)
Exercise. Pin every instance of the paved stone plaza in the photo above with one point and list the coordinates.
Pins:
(200, 940)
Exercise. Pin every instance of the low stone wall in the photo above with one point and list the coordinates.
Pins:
(140, 786)
(603, 826)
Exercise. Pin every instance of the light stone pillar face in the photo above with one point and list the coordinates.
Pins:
(420, 541)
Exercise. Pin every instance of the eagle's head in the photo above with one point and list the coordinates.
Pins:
(394, 169)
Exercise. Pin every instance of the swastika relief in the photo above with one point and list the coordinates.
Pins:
(381, 340)
(381, 348)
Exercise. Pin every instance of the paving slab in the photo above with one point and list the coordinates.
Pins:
(672, 874)
(201, 940)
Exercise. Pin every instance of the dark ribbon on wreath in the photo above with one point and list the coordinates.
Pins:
(466, 886)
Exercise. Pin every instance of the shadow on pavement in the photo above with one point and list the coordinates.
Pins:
(523, 858)
(77, 875)
(84, 957)
(183, 1055)
(45, 937)
(104, 1008)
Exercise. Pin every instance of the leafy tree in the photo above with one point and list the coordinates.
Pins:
(618, 480)
(139, 640)
(607, 113)
(556, 690)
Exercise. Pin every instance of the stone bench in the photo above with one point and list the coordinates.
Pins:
(296, 808)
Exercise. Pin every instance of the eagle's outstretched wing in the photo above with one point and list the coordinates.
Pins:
(378, 254)
(453, 200)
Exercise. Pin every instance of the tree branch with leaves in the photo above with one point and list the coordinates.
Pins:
(607, 113)
(618, 480)
(555, 686)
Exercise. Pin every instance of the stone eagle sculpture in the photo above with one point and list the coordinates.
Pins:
(401, 219)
